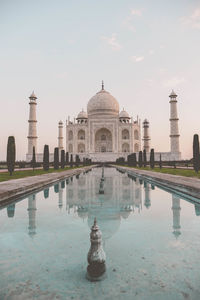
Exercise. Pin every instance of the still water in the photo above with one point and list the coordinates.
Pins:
(151, 239)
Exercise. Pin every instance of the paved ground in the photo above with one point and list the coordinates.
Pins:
(18, 187)
(181, 184)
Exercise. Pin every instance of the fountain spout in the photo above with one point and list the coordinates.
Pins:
(96, 255)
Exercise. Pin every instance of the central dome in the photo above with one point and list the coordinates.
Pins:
(103, 103)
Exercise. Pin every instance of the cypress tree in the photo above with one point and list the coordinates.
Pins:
(11, 154)
(140, 159)
(46, 158)
(152, 160)
(33, 161)
(160, 162)
(62, 159)
(67, 158)
(71, 161)
(134, 160)
(144, 158)
(56, 158)
(196, 155)
(77, 160)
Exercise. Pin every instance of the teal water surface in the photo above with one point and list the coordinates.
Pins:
(151, 239)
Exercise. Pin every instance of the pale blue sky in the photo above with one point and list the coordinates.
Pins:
(63, 49)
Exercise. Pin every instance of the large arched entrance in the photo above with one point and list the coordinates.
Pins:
(103, 140)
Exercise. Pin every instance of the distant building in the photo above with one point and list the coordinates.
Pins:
(103, 133)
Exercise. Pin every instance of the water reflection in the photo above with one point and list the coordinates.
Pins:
(176, 215)
(123, 195)
(32, 214)
(11, 210)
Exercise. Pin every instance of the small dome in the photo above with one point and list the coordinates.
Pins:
(123, 114)
(82, 115)
(146, 121)
(103, 103)
(32, 96)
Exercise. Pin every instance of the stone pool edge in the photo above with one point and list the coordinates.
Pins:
(180, 184)
(16, 188)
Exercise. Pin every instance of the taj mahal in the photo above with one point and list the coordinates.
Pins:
(104, 133)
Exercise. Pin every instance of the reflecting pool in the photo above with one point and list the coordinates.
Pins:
(151, 239)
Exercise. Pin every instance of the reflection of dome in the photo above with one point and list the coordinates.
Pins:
(108, 221)
(82, 115)
(125, 213)
(103, 103)
(124, 115)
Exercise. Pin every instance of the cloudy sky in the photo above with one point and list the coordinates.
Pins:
(63, 49)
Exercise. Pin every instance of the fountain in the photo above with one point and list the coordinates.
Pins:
(96, 255)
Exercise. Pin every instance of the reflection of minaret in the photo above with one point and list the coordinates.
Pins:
(176, 215)
(11, 210)
(147, 200)
(31, 214)
(60, 196)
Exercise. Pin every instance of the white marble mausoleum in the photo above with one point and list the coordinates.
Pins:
(104, 133)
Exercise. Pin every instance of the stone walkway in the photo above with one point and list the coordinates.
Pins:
(181, 184)
(16, 188)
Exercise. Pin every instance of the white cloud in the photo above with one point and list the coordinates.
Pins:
(173, 82)
(128, 22)
(112, 41)
(193, 20)
(137, 58)
(151, 52)
(136, 12)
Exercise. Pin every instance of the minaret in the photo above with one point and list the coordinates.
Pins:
(32, 214)
(32, 131)
(60, 136)
(174, 132)
(176, 215)
(146, 137)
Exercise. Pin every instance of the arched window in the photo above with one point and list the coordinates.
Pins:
(70, 135)
(81, 134)
(136, 135)
(136, 148)
(70, 148)
(125, 134)
(103, 149)
(125, 147)
(81, 148)
(103, 137)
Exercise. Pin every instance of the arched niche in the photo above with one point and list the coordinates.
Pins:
(125, 134)
(103, 140)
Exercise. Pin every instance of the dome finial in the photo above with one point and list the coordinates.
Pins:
(102, 85)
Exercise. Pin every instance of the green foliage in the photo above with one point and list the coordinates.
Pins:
(11, 154)
(62, 159)
(120, 161)
(56, 158)
(144, 158)
(46, 158)
(196, 155)
(140, 160)
(152, 160)
(33, 161)
(71, 161)
(67, 158)
(160, 162)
